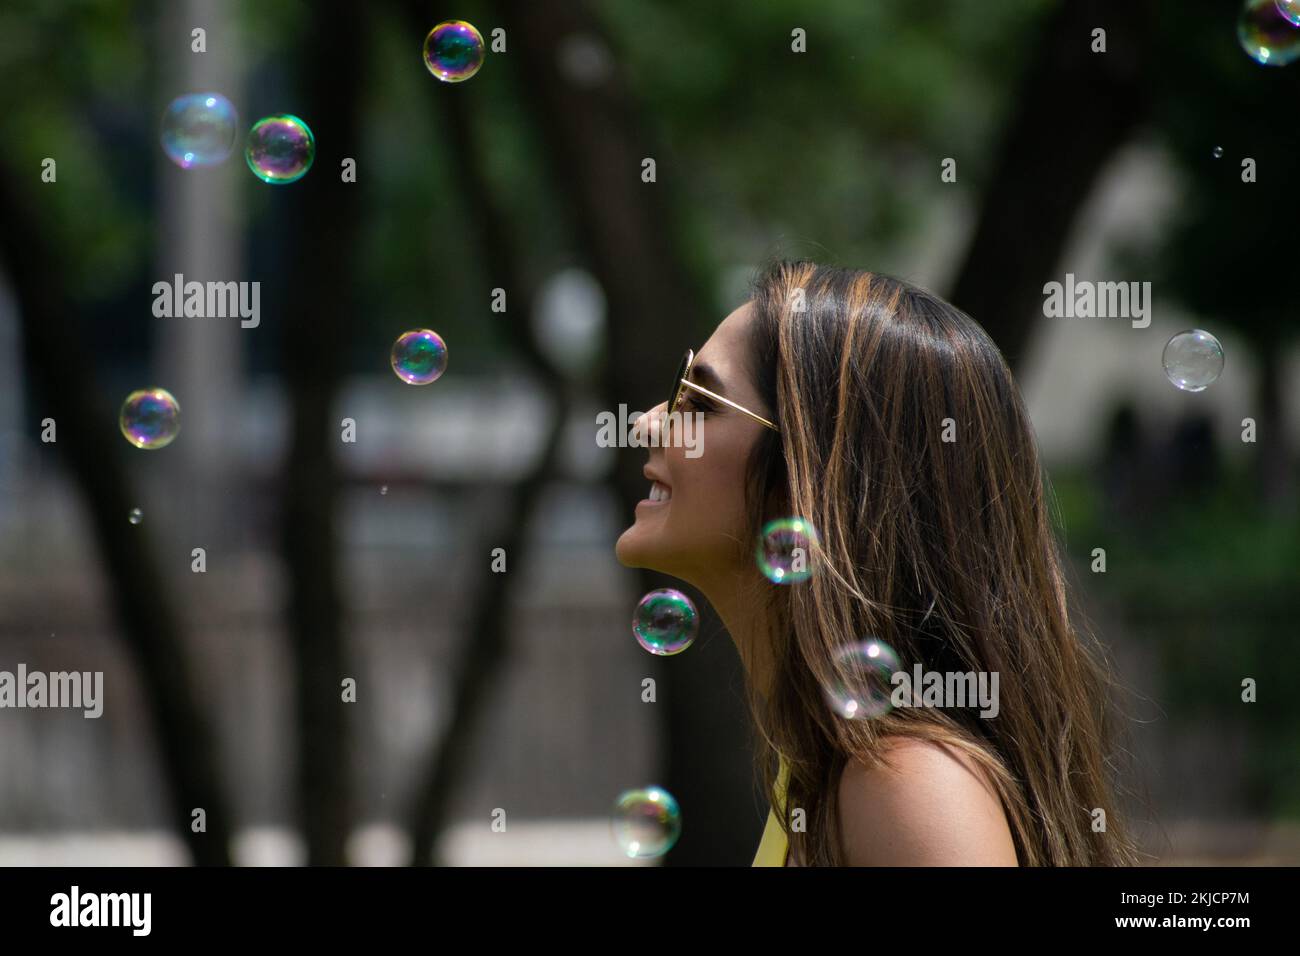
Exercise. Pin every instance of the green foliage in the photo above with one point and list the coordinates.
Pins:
(73, 71)
(1210, 582)
(1228, 238)
(421, 259)
(833, 152)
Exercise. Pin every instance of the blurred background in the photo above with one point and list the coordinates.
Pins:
(521, 691)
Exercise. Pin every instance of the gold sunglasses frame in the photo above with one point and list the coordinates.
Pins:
(682, 382)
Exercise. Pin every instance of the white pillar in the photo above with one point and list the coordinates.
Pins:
(199, 360)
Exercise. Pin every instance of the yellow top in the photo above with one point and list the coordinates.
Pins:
(773, 847)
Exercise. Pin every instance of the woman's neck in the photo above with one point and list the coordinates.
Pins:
(736, 599)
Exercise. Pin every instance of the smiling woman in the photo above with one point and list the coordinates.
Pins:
(889, 421)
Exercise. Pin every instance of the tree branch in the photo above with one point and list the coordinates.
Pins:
(316, 325)
(149, 627)
(1075, 109)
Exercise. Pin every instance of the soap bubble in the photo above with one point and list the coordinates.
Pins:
(150, 418)
(419, 356)
(1218, 152)
(1290, 9)
(453, 51)
(135, 516)
(862, 687)
(1193, 360)
(1267, 35)
(646, 823)
(785, 550)
(280, 149)
(665, 622)
(198, 129)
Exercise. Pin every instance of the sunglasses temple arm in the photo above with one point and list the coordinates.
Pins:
(728, 402)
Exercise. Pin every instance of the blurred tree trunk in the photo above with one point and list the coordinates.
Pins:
(594, 142)
(1074, 109)
(1277, 487)
(87, 437)
(315, 333)
(485, 643)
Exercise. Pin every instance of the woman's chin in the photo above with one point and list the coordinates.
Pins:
(641, 546)
(631, 553)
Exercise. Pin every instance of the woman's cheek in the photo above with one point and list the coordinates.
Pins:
(711, 504)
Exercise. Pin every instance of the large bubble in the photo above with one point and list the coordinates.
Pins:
(665, 622)
(453, 51)
(150, 418)
(280, 149)
(785, 549)
(862, 686)
(1193, 360)
(646, 822)
(1290, 9)
(1267, 35)
(419, 357)
(198, 129)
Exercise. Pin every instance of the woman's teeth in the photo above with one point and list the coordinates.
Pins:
(660, 492)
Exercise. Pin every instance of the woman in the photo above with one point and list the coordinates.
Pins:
(889, 421)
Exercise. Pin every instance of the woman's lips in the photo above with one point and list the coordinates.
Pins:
(660, 494)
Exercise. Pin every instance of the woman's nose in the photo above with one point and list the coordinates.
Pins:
(649, 423)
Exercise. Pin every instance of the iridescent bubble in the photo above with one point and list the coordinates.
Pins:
(198, 129)
(785, 550)
(665, 622)
(863, 682)
(280, 149)
(1193, 360)
(135, 516)
(1218, 152)
(150, 418)
(646, 823)
(1267, 35)
(419, 356)
(1290, 10)
(453, 51)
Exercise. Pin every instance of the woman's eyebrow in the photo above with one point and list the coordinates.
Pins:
(704, 375)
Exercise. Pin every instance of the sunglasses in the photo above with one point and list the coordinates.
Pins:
(681, 383)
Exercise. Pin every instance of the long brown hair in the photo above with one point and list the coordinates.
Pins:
(944, 550)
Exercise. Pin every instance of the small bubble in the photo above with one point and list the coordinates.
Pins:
(646, 822)
(383, 489)
(136, 516)
(1267, 33)
(453, 51)
(419, 357)
(150, 418)
(665, 622)
(198, 129)
(1193, 360)
(280, 149)
(785, 550)
(1218, 152)
(863, 684)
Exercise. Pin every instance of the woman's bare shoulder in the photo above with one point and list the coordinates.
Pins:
(931, 805)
